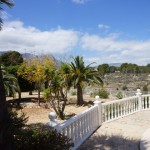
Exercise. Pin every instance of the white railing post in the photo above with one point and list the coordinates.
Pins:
(53, 123)
(98, 103)
(139, 94)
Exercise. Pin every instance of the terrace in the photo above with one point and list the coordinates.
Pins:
(122, 134)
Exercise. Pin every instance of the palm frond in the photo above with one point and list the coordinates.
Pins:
(7, 2)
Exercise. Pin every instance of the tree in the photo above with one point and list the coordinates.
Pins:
(10, 83)
(24, 84)
(6, 136)
(148, 65)
(112, 69)
(11, 58)
(129, 68)
(83, 74)
(103, 69)
(56, 93)
(34, 70)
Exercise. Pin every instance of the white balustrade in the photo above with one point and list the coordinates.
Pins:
(119, 108)
(81, 126)
(146, 101)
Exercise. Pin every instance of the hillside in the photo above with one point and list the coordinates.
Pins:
(117, 81)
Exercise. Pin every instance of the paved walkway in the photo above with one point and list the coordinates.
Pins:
(121, 134)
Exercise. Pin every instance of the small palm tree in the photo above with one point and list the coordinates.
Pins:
(83, 74)
(11, 84)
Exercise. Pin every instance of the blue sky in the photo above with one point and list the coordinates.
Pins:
(103, 31)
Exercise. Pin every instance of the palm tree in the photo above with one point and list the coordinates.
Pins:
(83, 74)
(6, 142)
(11, 84)
(8, 3)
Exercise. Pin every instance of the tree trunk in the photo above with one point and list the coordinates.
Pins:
(6, 134)
(30, 92)
(79, 95)
(46, 84)
(19, 98)
(61, 115)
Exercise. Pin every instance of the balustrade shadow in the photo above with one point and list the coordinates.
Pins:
(113, 142)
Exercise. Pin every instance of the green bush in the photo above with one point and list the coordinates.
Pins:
(119, 95)
(17, 121)
(124, 88)
(31, 139)
(145, 88)
(36, 139)
(102, 93)
(73, 93)
(46, 95)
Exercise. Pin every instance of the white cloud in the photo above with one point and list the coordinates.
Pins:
(97, 43)
(80, 1)
(110, 49)
(102, 26)
(15, 36)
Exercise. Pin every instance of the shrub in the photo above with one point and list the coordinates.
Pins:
(145, 88)
(119, 95)
(30, 139)
(46, 95)
(73, 93)
(102, 93)
(124, 88)
(17, 121)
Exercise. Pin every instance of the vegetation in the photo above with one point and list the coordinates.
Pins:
(119, 95)
(6, 135)
(31, 138)
(124, 88)
(10, 83)
(73, 93)
(103, 69)
(82, 74)
(145, 89)
(125, 68)
(56, 93)
(18, 122)
(11, 58)
(102, 93)
(24, 84)
(129, 68)
(35, 71)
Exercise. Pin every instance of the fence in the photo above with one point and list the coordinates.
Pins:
(119, 108)
(81, 126)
